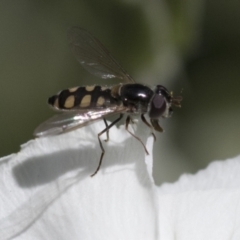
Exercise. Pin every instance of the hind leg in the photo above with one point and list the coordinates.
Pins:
(100, 142)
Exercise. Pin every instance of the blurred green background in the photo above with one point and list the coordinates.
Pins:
(191, 46)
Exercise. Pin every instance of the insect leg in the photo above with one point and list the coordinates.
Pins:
(107, 132)
(128, 120)
(149, 125)
(100, 143)
(132, 121)
(156, 125)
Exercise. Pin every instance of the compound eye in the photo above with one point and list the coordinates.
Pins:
(158, 106)
(160, 89)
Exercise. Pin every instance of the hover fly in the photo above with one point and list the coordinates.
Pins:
(81, 105)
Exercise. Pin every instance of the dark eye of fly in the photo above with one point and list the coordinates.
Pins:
(158, 106)
(163, 91)
(159, 102)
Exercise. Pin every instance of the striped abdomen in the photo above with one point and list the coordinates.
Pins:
(83, 98)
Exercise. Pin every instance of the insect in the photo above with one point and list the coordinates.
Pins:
(81, 105)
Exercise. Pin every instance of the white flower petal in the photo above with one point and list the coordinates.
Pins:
(204, 205)
(46, 192)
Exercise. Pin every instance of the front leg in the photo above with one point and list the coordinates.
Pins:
(126, 126)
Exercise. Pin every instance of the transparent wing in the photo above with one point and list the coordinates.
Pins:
(94, 57)
(68, 121)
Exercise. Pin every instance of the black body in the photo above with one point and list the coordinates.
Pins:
(136, 96)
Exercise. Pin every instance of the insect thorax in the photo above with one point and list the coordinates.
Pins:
(84, 97)
(136, 96)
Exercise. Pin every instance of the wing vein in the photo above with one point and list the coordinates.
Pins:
(94, 57)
